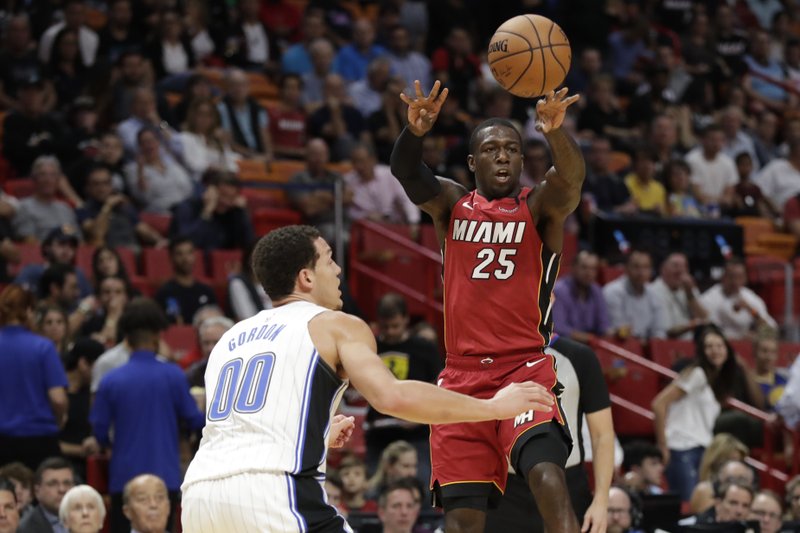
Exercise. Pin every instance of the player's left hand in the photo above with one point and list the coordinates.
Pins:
(341, 430)
(551, 110)
(595, 519)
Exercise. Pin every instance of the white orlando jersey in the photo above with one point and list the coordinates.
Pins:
(269, 399)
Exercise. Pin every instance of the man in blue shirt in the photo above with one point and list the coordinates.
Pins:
(144, 401)
(352, 59)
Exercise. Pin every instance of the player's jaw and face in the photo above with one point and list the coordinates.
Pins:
(325, 289)
(497, 162)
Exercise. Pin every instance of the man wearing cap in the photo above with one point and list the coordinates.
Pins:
(59, 247)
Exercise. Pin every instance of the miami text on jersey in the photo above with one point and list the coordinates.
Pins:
(488, 232)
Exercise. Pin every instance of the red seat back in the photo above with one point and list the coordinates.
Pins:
(223, 264)
(182, 340)
(666, 352)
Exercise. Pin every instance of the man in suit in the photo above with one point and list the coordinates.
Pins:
(52, 480)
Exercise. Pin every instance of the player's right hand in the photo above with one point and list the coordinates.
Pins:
(423, 110)
(518, 398)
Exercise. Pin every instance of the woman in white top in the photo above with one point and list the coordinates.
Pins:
(685, 411)
(203, 140)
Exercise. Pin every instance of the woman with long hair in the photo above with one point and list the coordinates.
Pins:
(204, 142)
(685, 411)
(398, 460)
(67, 69)
(107, 262)
(52, 322)
(33, 396)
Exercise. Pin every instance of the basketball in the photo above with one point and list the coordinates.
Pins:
(529, 55)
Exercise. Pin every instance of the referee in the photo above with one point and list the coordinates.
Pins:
(585, 393)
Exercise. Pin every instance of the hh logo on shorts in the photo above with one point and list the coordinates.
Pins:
(524, 418)
(397, 363)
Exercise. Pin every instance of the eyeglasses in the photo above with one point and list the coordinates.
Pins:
(54, 483)
(766, 514)
(617, 510)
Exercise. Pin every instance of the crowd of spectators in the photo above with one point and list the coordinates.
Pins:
(126, 123)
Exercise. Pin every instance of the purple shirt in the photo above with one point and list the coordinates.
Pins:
(572, 313)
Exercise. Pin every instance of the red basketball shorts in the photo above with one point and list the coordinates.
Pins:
(472, 459)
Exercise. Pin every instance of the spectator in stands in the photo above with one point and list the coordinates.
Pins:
(144, 114)
(677, 291)
(624, 511)
(336, 121)
(145, 502)
(113, 294)
(76, 440)
(731, 305)
(9, 514)
(788, 407)
(407, 63)
(170, 52)
(398, 460)
(386, 123)
(535, 163)
(731, 504)
(793, 499)
(647, 194)
(765, 137)
(759, 83)
(398, 509)
(18, 61)
(75, 20)
(322, 58)
(67, 71)
(748, 200)
(407, 357)
(579, 310)
(353, 59)
(681, 202)
(377, 196)
(603, 116)
(145, 426)
(109, 219)
(370, 91)
(53, 479)
(218, 219)
(686, 409)
(249, 45)
(713, 172)
(118, 35)
(197, 87)
(606, 191)
(156, 181)
(29, 131)
(716, 472)
(634, 307)
(334, 490)
(204, 143)
(663, 138)
(209, 333)
(109, 154)
(353, 474)
(780, 179)
(82, 510)
(9, 252)
(42, 212)
(246, 296)
(245, 121)
(21, 477)
(767, 508)
(58, 287)
(33, 400)
(645, 460)
(455, 64)
(182, 295)
(287, 120)
(296, 59)
(51, 322)
(772, 379)
(736, 141)
(107, 262)
(135, 77)
(59, 247)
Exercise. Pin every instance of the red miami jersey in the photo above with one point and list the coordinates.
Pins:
(498, 279)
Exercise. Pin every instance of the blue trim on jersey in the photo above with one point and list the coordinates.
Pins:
(301, 431)
(301, 523)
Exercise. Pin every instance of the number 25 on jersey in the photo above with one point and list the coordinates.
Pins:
(491, 258)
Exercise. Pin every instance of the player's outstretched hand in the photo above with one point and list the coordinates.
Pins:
(423, 110)
(596, 518)
(518, 398)
(551, 110)
(341, 430)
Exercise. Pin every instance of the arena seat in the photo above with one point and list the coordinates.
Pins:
(266, 219)
(744, 347)
(607, 273)
(666, 352)
(157, 268)
(182, 339)
(20, 187)
(223, 264)
(787, 353)
(157, 221)
(29, 253)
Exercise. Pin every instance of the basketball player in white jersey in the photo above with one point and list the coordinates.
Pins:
(274, 382)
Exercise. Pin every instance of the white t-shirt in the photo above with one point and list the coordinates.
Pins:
(690, 420)
(712, 177)
(257, 44)
(735, 323)
(175, 58)
(779, 181)
(675, 304)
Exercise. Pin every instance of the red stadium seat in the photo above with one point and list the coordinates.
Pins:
(97, 473)
(266, 219)
(787, 352)
(29, 253)
(157, 221)
(223, 264)
(609, 273)
(744, 348)
(666, 352)
(83, 259)
(128, 258)
(20, 188)
(182, 340)
(157, 266)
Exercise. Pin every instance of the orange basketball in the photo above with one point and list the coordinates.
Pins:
(529, 55)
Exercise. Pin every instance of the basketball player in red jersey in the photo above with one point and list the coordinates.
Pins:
(501, 245)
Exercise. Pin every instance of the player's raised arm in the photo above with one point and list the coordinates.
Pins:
(419, 182)
(560, 194)
(421, 402)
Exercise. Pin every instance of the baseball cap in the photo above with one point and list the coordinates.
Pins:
(65, 233)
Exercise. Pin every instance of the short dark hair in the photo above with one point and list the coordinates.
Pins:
(141, 319)
(410, 484)
(488, 123)
(177, 241)
(639, 450)
(8, 486)
(51, 463)
(84, 348)
(710, 128)
(722, 489)
(280, 255)
(391, 305)
(55, 273)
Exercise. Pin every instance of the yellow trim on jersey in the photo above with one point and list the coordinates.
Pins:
(465, 482)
